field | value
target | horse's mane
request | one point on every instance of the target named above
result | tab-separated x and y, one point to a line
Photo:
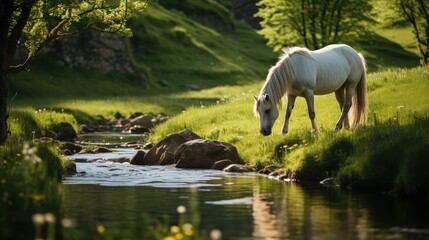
281	76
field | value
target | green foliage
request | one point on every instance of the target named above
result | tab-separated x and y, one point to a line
313	24
30	172
416	12
55	19
29	184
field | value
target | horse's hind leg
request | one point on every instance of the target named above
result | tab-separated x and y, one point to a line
309	97
345	108
290	104
339	94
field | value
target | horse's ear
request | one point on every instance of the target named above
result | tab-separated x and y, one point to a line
255	97
266	98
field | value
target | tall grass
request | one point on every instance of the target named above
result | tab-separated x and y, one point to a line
30	174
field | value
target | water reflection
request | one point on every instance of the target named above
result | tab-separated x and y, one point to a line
241	206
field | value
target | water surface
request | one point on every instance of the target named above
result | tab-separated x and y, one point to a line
121	197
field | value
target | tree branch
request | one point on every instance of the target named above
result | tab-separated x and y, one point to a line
16	32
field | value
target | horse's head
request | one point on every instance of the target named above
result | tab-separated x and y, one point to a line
267	111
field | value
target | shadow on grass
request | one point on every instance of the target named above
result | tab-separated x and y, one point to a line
382	53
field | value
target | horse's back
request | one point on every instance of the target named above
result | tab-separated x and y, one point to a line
336	64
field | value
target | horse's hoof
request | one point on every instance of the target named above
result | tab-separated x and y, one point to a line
336	129
284	132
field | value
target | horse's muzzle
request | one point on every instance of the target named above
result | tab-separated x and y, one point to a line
265	132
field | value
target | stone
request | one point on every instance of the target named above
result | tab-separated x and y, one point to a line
70	147
148	145
163	152
202	153
138	158
95	150
283	177
134	115
70	169
191	86
64	132
269	169
238	168
123	122
163	83
142	120
275	174
221	164
159	119
66	152
85	128
101	51
329	182
137	129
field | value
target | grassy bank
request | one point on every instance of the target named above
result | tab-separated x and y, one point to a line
30	172
396	134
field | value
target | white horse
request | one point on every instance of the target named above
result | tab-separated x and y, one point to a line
300	72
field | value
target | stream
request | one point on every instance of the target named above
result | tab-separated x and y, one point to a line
108	191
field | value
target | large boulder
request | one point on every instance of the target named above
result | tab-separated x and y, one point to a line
163	152
64	132
201	153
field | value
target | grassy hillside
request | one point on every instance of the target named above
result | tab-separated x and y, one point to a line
209	49
168	45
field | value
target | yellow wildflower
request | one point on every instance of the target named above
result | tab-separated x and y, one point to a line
101	229
169	238
174	229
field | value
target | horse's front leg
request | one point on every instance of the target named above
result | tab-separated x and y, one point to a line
290	104
309	97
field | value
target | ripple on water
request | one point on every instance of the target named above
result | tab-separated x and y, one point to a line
125	174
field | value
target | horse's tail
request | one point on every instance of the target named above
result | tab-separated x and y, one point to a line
359	110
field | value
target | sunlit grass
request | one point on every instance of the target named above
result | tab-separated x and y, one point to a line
398	96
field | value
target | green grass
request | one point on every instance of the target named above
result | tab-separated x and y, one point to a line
30	172
397	98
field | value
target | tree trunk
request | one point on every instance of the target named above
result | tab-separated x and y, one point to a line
6	10
9	38
4	93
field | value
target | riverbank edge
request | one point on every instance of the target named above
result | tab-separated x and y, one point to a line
373	167
32	168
